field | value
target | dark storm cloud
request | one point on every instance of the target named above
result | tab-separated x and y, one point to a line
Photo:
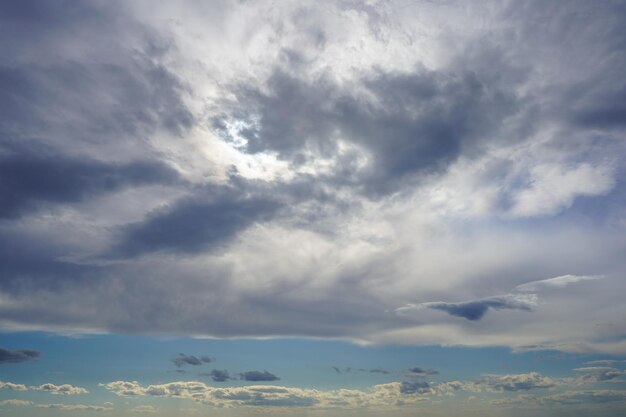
17	356
256	376
33	175
183	359
417	122
476	309
193	224
218	375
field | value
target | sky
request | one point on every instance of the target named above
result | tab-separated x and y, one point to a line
332	208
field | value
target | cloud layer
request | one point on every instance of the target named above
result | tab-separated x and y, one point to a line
253	169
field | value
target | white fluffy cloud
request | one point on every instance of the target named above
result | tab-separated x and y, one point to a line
64	389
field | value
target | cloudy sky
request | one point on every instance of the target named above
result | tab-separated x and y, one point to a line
347	207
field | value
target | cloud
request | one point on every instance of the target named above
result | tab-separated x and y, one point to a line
17	356
218	375
599	374
517	382
383	395
364	164
144	409
604	362
379	371
556	282
32	176
15	403
257	376
421	372
415	388
73	407
567	398
183	359
12	386
475	309
348	370
65	389
194	225
406	123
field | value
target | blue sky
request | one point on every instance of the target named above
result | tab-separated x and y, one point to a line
347	207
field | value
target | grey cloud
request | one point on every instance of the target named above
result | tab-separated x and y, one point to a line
17	356
422	372
183	359
517	382
417	122
195	224
419	387
102	88
256	376
218	375
475	309
599	373
33	175
95	86
349	370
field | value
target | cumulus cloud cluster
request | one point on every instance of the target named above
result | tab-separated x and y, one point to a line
64	389
257	169
386	395
383	395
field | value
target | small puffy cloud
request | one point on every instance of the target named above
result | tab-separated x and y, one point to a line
515	382
257	376
475	309
417	371
124	388
12	386
183	359
17	356
15	403
65	389
556	282
218	375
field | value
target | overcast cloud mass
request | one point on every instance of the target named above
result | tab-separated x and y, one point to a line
381	172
